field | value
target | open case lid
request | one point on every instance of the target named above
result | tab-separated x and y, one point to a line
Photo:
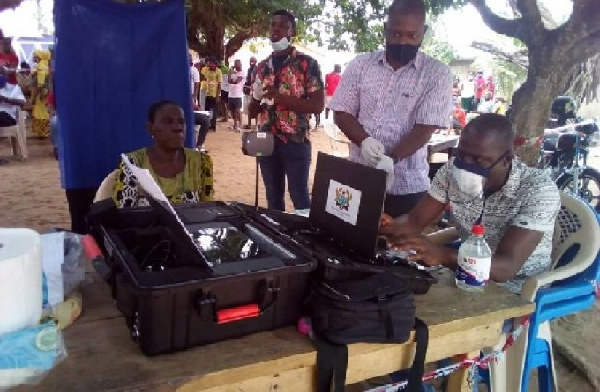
347	201
159	203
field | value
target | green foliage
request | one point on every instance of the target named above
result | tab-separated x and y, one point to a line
435	44
358	24
440	50
340	24
509	76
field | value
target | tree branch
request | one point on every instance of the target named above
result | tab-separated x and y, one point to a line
237	41
508	27
584	48
530	13
583	21
518	58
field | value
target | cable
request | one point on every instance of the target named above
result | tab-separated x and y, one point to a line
148	258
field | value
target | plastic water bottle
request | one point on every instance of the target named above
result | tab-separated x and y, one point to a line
474	262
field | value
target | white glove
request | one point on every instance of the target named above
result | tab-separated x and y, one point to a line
371	151
386	163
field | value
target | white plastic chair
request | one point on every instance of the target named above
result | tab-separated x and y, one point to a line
107	187
338	141
17	133
576	226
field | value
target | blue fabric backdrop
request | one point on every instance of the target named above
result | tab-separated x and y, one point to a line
113	61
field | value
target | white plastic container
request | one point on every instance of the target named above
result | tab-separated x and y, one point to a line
20	279
474	262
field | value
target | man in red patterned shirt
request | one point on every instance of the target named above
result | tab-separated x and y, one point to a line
290	84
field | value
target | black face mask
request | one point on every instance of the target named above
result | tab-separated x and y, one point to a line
402	53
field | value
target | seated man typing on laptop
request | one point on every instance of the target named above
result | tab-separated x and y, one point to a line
486	184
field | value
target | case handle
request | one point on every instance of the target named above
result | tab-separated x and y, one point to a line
94	254
206	305
238	313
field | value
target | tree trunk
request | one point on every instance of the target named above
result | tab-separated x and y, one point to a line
531	108
206	28
215	39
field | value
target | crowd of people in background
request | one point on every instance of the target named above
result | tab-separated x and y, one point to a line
208	76
475	95
34	85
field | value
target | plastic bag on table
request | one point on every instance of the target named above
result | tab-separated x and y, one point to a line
73	268
29	354
73	263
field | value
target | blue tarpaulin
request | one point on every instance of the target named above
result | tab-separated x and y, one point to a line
114	60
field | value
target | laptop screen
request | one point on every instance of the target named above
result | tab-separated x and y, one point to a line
347	201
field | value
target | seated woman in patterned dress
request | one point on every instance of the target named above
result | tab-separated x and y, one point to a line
183	174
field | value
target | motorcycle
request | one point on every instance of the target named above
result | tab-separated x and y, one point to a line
564	154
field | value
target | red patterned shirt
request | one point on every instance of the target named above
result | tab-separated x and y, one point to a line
299	76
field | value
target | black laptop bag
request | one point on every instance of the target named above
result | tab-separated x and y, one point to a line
363	307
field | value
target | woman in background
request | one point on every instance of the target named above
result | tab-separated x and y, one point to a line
39	94
183	174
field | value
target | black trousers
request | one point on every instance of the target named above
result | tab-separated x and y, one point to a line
211	106
204	123
396	205
6	120
79	201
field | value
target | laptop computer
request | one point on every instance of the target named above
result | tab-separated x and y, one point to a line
347	201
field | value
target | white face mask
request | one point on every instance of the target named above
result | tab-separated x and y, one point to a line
469	183
471	177
280	45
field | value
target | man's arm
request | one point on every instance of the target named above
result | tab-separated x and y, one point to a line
13	101
425	213
237	79
427	210
537	215
433	111
350	127
16	98
513	251
219	83
314	103
315	100
195	93
414	140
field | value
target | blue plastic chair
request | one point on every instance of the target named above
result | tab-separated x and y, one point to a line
567	289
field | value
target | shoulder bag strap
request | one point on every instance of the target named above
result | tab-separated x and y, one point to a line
332	362
415	375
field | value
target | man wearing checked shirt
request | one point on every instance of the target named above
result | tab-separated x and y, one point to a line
389	103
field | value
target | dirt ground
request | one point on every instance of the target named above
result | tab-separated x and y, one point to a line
30	196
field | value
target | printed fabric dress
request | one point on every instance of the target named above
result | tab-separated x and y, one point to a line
41	81
192	185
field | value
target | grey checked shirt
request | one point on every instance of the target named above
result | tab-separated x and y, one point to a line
529	200
389	103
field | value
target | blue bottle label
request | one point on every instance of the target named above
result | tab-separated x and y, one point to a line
473	271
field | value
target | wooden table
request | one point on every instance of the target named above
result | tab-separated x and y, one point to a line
102	356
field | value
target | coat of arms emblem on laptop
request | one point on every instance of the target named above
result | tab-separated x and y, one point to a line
343	196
